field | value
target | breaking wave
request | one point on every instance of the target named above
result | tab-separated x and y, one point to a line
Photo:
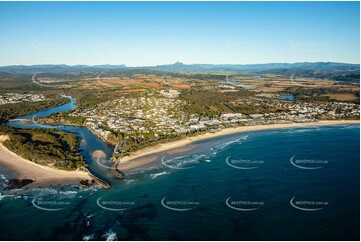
155	175
88	237
184	161
129	181
228	143
110	236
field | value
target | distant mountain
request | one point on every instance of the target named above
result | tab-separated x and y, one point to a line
322	70
180	67
349	75
58	68
320	66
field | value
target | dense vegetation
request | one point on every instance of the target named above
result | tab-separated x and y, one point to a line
345	75
92	98
317	94
62	118
13	110
211	103
199	90
45	146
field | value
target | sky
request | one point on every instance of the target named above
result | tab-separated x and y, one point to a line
156	33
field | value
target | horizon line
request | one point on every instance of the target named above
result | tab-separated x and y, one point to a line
179	62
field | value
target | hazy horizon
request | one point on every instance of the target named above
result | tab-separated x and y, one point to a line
117	64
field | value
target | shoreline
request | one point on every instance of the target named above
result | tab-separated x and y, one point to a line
44	175
41	175
130	162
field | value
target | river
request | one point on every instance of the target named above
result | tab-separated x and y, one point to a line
89	142
288	184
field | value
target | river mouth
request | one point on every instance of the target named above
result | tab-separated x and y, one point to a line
89	142
238	183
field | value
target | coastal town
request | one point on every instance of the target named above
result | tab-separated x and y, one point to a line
180	120
136	111
155	115
8	98
133	113
147	115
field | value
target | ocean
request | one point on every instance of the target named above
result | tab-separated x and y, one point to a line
291	184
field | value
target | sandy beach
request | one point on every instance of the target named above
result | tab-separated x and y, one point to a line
42	175
138	159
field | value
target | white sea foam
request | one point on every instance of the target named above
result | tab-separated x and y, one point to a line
110	236
46	191
352	126
88	237
183	160
129	181
155	175
4	196
53	191
3	182
228	143
2	177
92	188
293	131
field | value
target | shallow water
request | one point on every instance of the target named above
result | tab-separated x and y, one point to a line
89	141
236	187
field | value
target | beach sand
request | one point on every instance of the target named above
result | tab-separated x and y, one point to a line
42	175
147	155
